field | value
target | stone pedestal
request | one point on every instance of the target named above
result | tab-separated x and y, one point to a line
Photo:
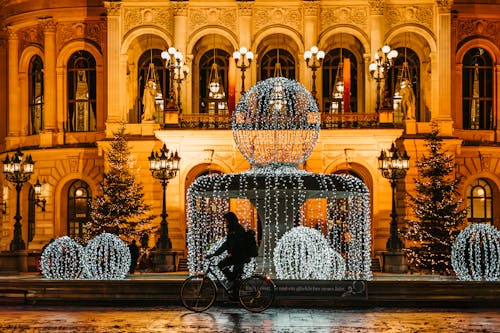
165	261
395	262
386	116
171	118
148	127
410	126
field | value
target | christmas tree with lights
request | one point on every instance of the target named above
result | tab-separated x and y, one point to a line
120	209
437	209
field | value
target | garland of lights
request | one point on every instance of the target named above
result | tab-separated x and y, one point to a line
248	268
276	126
303	253
106	257
62	260
475	255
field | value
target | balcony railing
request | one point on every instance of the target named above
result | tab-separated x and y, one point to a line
224	121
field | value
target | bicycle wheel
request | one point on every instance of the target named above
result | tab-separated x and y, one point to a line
256	293
198	293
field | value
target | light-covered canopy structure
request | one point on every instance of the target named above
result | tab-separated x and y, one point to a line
276	125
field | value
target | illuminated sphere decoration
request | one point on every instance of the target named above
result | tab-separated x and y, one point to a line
303	253
248	268
276	122
62	260
475	255
107	257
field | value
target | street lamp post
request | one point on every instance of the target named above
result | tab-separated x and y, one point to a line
178	71
314	59
383	60
393	165
18	171
246	58
164	166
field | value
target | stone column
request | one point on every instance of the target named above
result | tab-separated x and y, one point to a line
180	42
376	26
50	81
443	113
114	102
311	11
245	10
14	116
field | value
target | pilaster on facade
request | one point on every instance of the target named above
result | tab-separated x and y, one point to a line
50	75
14	119
444	118
113	102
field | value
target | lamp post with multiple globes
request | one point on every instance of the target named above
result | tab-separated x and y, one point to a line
246	58
164	166
383	61
314	59
393	164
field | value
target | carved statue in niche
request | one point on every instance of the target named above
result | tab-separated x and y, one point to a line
148	101
407	100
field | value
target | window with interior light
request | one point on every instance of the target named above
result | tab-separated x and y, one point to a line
81	74
79	198
35	95
480	202
477	90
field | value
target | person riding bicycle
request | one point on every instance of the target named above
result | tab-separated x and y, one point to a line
237	253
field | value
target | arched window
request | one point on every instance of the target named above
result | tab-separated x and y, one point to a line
477	90
31	214
350	82
268	64
36	97
160	74
81	92
398	72
221	58
79	197
480	202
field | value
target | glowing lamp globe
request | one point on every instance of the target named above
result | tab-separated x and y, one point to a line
276	122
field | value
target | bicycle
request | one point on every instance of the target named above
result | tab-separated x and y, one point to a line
198	292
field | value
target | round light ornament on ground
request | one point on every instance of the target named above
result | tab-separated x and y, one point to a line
107	257
303	253
475	255
62	260
276	121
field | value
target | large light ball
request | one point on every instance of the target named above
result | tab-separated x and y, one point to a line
107	257
303	253
276	121
62	260
475	255
248	268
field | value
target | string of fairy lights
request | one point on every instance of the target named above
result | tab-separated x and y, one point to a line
475	255
106	257
276	126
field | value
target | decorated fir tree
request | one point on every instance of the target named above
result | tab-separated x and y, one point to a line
120	208
437	209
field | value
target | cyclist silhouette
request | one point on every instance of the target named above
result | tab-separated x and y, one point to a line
236	250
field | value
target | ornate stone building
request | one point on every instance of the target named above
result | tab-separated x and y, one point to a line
72	70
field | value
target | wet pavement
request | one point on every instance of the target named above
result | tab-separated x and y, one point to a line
59	319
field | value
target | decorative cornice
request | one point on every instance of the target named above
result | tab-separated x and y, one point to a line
355	15
444	5
180	8
421	15
311	8
112	8
376	7
48	24
479	27
245	8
